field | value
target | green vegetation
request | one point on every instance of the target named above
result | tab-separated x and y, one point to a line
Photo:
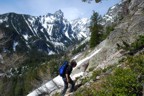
98	33
85	80
134	47
125	80
95	74
79	49
95	29
138	44
91	69
30	74
21	84
96	1
108	30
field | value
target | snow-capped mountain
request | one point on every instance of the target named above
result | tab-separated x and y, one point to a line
51	33
111	15
114	14
80	27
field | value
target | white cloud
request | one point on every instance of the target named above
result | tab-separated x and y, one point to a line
72	13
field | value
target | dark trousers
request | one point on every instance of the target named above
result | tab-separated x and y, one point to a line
66	86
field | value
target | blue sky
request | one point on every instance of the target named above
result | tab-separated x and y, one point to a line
72	8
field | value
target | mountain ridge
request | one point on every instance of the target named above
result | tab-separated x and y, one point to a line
53	30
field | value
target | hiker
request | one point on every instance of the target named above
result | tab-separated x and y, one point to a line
67	79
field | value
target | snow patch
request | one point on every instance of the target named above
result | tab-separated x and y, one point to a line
1	21
58	43
14	45
75	57
28	24
7	25
113	7
5	19
41	30
49	29
51	53
89	57
67	35
15	27
31	20
1	59
25	36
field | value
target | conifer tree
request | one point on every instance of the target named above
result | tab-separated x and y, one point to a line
95	29
97	1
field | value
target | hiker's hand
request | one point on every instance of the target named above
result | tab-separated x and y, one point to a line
68	80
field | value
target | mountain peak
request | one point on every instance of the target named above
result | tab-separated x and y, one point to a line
59	13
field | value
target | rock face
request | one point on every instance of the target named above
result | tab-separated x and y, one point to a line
128	29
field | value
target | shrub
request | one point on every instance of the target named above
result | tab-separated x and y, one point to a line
84	80
136	63
91	69
126	80
95	74
139	43
84	92
80	48
108	30
133	47
123	82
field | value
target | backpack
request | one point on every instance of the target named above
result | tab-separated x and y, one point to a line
62	69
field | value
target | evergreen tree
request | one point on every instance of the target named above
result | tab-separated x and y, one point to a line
95	29
97	1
